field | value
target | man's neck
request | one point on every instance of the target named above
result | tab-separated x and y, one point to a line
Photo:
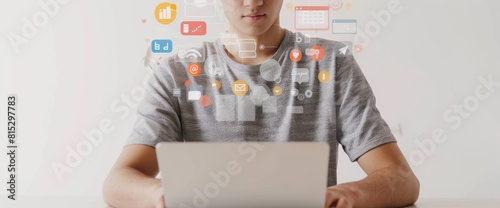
270	41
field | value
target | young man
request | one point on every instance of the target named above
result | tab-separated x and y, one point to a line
318	94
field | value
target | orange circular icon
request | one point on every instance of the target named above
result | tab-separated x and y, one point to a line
295	55
317	53
165	13
277	90
324	76
240	88
187	82
358	48
216	85
194	69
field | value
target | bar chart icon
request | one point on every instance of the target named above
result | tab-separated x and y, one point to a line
165	13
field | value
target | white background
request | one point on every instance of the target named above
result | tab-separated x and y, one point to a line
89	55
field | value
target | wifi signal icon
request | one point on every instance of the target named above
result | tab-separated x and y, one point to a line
190	55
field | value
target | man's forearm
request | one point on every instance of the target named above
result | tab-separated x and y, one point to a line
388	187
128	187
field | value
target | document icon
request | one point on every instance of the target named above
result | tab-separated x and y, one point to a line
199	8
194	92
344	26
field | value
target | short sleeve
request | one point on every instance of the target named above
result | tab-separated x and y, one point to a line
360	127
158	113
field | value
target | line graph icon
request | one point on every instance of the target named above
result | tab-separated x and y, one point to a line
193	28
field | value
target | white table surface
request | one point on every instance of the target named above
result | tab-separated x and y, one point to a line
97	202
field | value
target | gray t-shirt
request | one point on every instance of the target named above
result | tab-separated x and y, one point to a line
304	93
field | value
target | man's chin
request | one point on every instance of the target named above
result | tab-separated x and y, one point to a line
254	31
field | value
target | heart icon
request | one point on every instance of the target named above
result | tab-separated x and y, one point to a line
295	55
143	20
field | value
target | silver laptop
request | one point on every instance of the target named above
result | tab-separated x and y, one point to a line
228	175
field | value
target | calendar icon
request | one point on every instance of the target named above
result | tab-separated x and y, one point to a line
312	18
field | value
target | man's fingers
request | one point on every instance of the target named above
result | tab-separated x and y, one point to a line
343	203
161	203
331	199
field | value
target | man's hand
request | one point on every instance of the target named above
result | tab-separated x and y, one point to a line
340	197
390	182
159	199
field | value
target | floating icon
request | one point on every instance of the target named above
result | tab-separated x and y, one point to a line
317	53
193	28
213	67
187	82
194	69
277	90
259	94
358	48
348	5
177	92
240	88
344	26
270	70
205	101
165	13
161	46
194	92
216	85
336	4
248	48
301	97
270	105
295	55
312	18
200	8
324	76
296	109
190	55
229	39
308	93
343	50
300	75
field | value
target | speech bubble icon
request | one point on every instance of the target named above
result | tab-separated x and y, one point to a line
300	75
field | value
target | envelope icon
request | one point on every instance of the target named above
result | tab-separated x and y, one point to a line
240	87
199	8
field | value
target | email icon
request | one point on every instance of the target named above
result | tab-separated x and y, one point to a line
240	87
199	8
